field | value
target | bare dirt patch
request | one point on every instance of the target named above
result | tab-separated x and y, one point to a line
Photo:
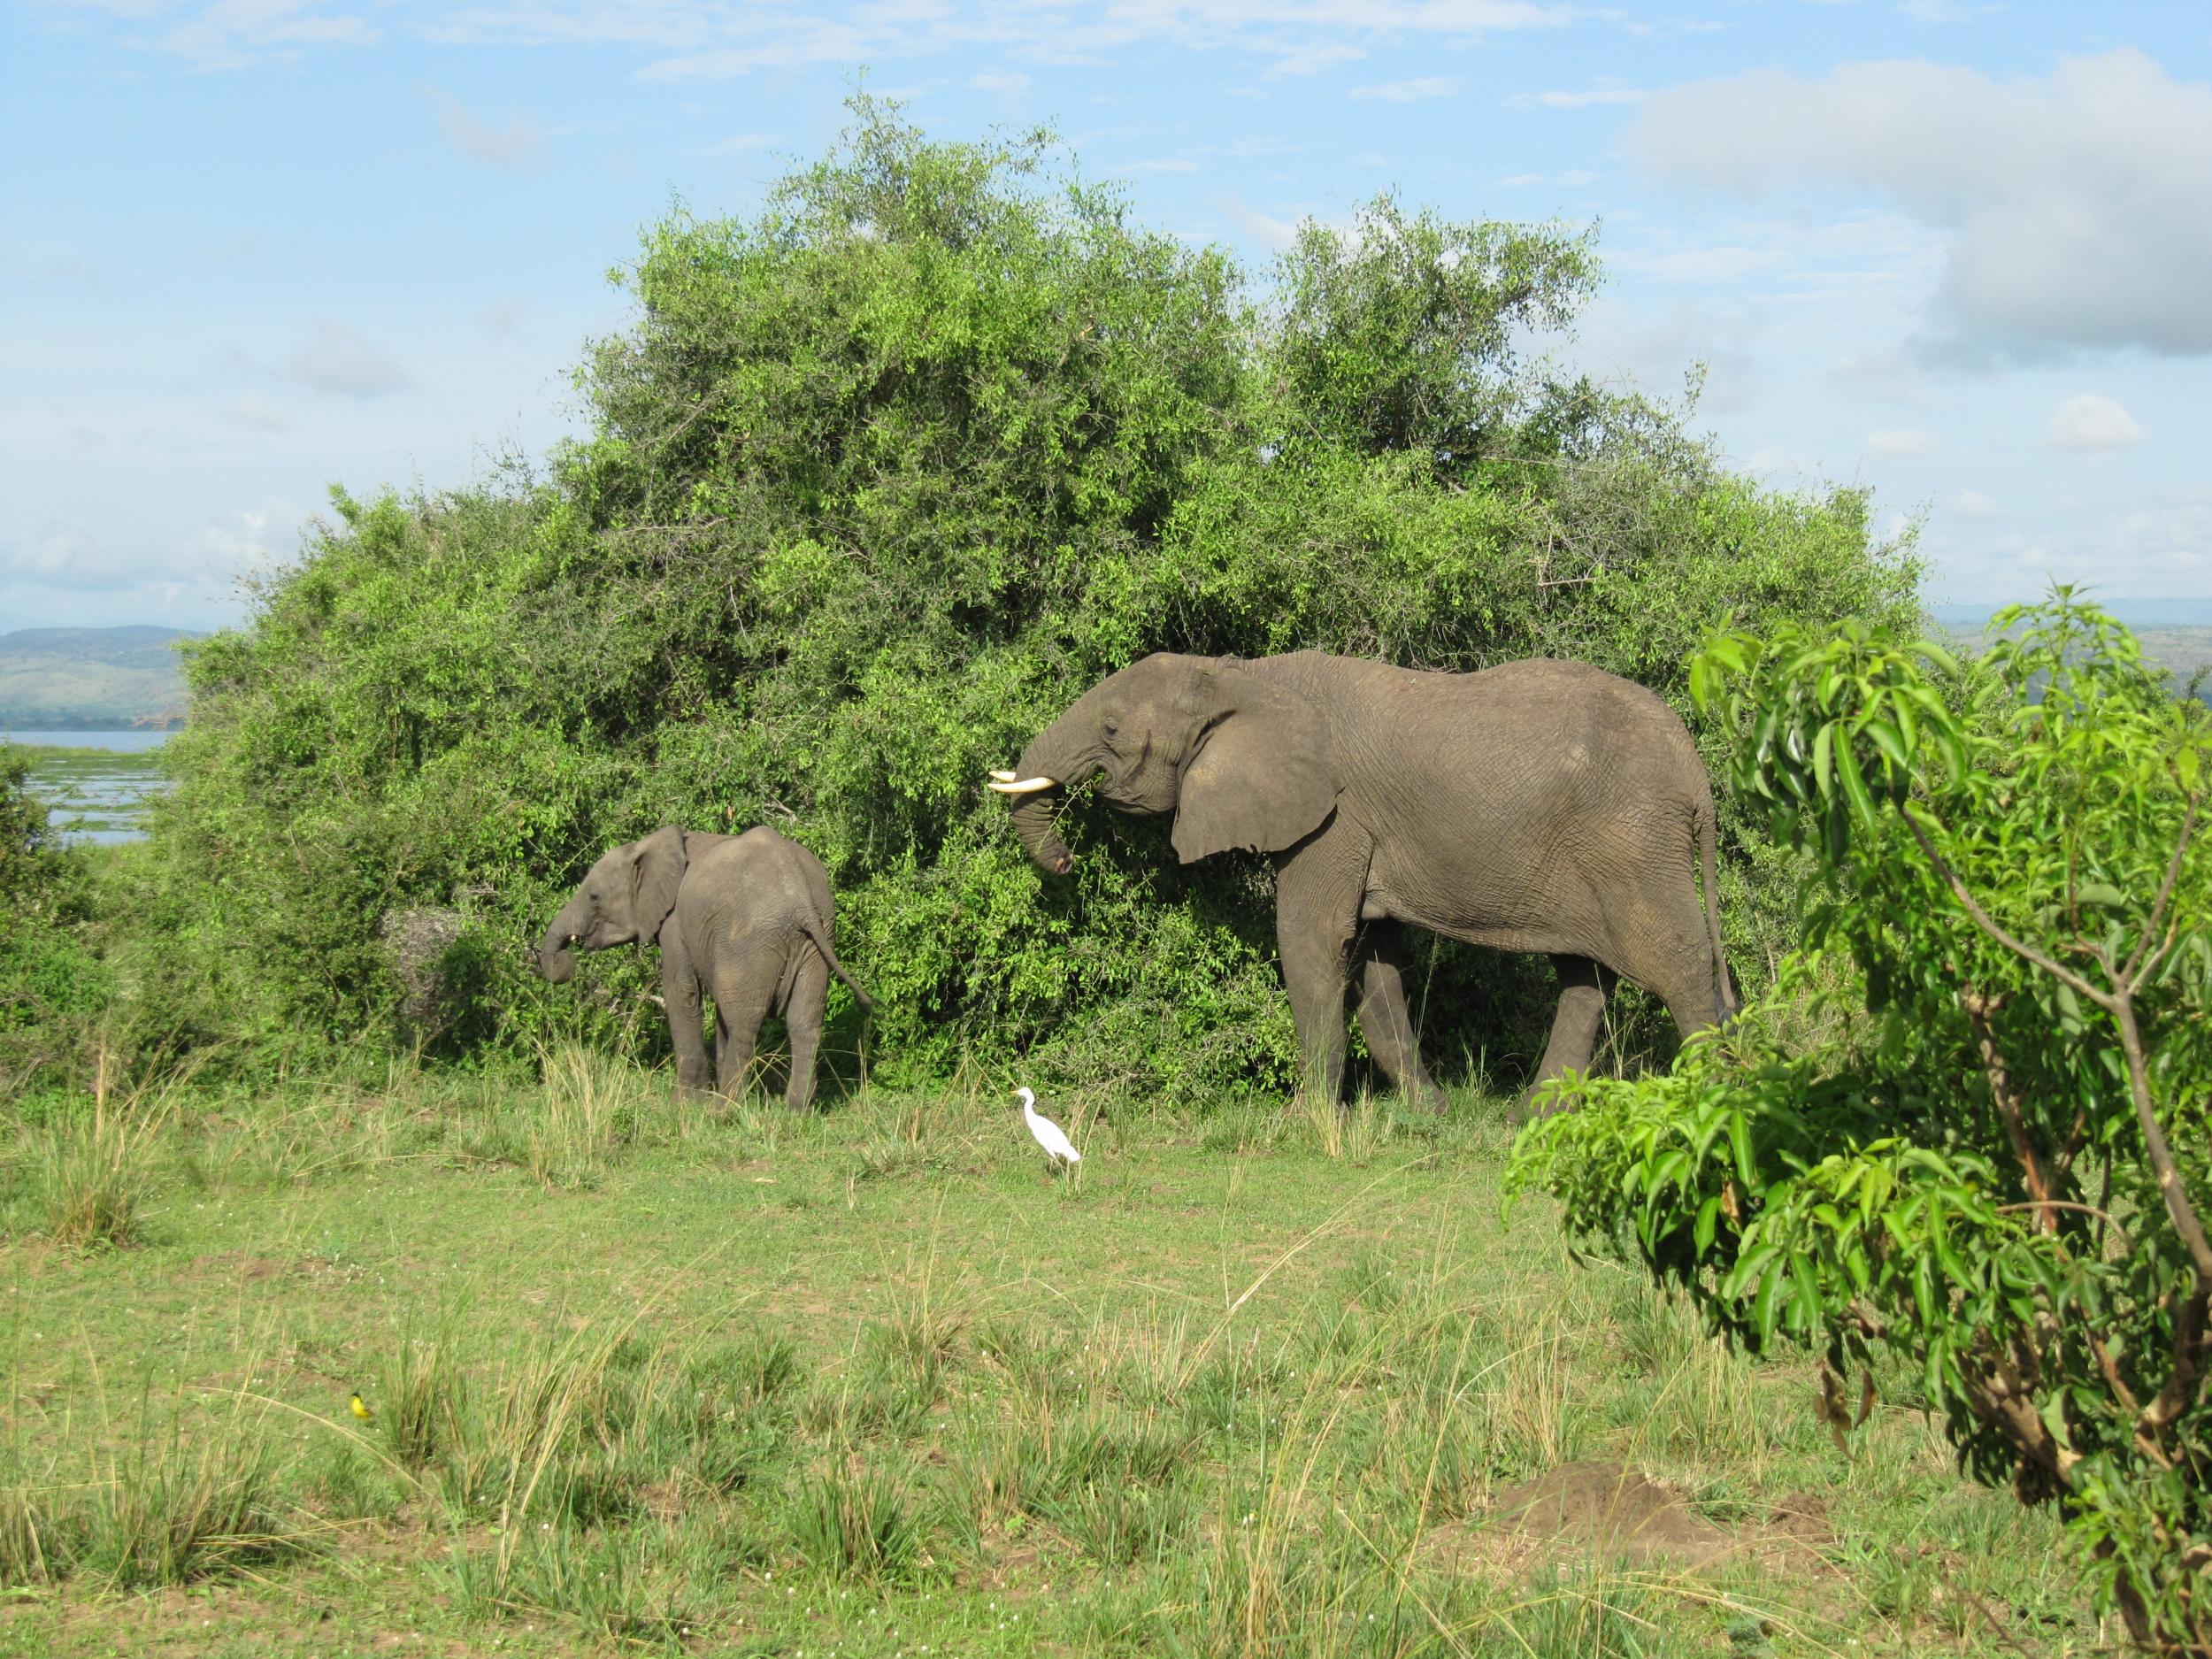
1608	1511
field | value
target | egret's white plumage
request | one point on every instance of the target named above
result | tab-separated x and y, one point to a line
1046	1133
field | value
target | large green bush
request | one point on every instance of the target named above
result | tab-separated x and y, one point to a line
877	480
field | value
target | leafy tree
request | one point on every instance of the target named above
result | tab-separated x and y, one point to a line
1995	1162
880	478
1404	334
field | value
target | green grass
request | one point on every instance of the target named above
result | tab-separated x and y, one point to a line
649	1375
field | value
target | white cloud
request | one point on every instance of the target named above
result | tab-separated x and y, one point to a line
18	265
241	543
1896	443
517	146
232	249
2075	206
1262	227
739	144
1409	91
502	320
1943	11
257	414
706	40
1607	90
1002	81
231	33
1770	460
2092	424
65	558
1651	346
1571	180
1971	503
342	361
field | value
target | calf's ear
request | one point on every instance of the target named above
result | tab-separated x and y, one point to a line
656	870
1260	776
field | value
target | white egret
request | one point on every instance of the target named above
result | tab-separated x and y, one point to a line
1047	1133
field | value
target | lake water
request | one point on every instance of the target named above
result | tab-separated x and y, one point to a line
99	796
136	742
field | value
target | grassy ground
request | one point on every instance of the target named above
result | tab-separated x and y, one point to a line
872	1383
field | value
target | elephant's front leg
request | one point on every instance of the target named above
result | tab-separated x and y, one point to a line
1318	888
1385	1019
680	994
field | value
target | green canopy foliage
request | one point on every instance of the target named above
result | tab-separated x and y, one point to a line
1994	1164
877	480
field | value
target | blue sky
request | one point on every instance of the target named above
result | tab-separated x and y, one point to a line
1956	251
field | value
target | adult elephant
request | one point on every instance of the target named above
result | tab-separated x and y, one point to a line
1538	805
744	919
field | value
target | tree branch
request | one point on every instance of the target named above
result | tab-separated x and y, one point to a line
2178	1208
1979	1009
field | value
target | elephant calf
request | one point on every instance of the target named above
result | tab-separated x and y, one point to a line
744	919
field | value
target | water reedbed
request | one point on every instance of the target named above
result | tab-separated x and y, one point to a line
97	784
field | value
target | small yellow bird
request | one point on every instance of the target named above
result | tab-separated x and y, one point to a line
361	1408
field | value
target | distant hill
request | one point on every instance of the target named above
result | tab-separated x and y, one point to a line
90	679
2145	616
2175	634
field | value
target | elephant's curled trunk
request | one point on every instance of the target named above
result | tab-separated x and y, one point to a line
556	961
1036	811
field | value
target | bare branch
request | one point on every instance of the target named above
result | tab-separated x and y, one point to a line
2178	1208
1979	1009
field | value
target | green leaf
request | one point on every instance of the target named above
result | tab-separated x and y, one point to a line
1886	739
1707	1224
1853	785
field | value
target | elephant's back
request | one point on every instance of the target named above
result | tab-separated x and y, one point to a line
776	874
1535	698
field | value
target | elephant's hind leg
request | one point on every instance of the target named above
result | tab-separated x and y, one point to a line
1386	1021
740	1003
1584	986
802	1020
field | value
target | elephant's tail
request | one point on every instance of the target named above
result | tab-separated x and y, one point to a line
1708	833
819	934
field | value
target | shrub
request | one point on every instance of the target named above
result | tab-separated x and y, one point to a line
1998	1167
53	983
878	480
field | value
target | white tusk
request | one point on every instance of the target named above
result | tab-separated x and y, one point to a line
1004	777
1025	786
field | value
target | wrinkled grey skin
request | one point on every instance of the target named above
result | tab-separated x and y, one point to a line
744	919
1538	805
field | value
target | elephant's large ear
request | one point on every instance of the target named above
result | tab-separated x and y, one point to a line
657	872
1261	778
